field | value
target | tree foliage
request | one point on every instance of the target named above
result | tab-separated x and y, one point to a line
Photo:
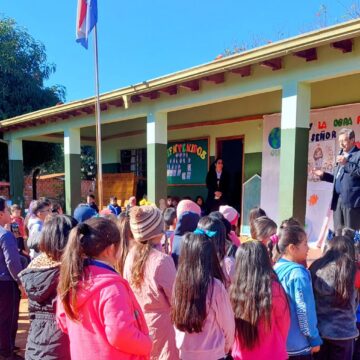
52	159
23	69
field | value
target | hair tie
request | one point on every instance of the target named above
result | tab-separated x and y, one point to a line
330	235
84	229
357	237
207	233
274	239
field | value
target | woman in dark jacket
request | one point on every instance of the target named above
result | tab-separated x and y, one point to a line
40	279
217	183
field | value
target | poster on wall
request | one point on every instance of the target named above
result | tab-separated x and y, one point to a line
187	162
323	147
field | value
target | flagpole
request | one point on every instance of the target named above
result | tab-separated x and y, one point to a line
98	124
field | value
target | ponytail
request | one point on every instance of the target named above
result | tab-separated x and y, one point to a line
289	234
142	252
86	240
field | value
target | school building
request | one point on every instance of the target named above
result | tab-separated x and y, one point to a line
170	128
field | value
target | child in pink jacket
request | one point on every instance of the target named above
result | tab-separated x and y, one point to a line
151	275
260	305
201	311
96	307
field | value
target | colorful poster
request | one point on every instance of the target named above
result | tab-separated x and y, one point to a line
323	147
188	162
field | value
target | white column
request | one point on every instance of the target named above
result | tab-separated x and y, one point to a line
156	135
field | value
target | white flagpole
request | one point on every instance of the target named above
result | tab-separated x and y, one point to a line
98	125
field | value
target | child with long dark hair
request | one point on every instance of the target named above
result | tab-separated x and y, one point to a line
40	279
333	277
303	339
96	307
262	316
201	309
215	229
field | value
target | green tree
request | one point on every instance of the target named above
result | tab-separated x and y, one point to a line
23	70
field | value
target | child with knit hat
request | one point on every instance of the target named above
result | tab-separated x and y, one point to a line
151	275
188	215
232	216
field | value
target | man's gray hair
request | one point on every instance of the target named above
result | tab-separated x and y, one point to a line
350	134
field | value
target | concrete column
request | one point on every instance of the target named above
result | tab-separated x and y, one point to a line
16	172
156	134
72	169
295	115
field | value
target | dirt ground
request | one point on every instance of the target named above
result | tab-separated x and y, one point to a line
23	327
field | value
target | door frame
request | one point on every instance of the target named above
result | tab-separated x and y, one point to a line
218	140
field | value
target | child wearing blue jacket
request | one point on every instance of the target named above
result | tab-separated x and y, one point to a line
303	338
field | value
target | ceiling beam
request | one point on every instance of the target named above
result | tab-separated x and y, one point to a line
308	54
243	71
216	78
170	90
273	64
344	45
193	85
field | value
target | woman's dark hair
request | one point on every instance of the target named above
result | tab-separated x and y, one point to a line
213	165
255	213
217	159
288	235
214	224
54	235
341	250
198	266
86	240
251	292
125	237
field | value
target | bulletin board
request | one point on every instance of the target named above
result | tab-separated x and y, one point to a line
187	162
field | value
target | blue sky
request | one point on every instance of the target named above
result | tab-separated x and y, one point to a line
140	40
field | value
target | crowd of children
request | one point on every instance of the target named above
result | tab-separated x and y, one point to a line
175	283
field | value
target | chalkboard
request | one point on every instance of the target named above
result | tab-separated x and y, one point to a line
251	199
187	162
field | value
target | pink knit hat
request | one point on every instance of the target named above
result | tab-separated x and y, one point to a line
187	205
230	214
